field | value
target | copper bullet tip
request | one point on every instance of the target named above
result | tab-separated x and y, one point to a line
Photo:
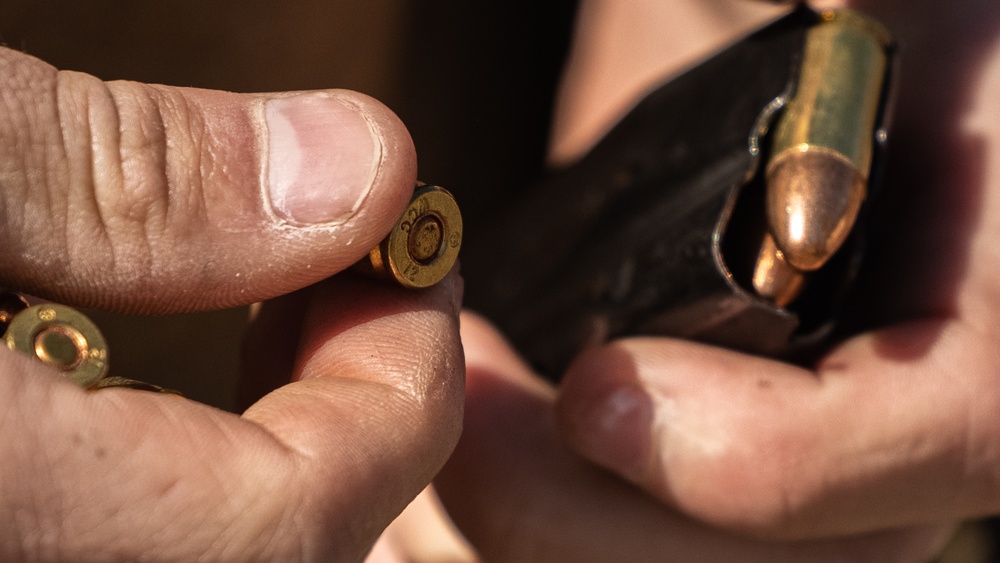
774	279
813	197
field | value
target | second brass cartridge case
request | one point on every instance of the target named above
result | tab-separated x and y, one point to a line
63	338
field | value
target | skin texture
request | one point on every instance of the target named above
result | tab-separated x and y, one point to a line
867	455
117	189
154	199
518	493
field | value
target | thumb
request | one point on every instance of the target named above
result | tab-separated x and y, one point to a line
157	199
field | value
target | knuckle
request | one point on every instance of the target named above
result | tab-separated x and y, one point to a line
156	139
131	157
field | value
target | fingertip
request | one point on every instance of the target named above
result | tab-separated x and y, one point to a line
340	170
358	322
605	414
330	151
375	407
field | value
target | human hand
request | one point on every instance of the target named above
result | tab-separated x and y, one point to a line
154	199
893	430
518	493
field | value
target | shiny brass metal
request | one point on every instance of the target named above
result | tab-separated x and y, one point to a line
774	278
822	148
423	245
64	338
823	142
61	337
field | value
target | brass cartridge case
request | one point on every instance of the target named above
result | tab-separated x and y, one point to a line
61	337
823	142
423	245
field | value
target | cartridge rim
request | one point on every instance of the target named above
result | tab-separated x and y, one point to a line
35	330
414	259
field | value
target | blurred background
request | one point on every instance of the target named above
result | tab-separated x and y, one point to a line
473	81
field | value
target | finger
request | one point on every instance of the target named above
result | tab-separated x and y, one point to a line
313	471
380	371
519	495
152	198
896	428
